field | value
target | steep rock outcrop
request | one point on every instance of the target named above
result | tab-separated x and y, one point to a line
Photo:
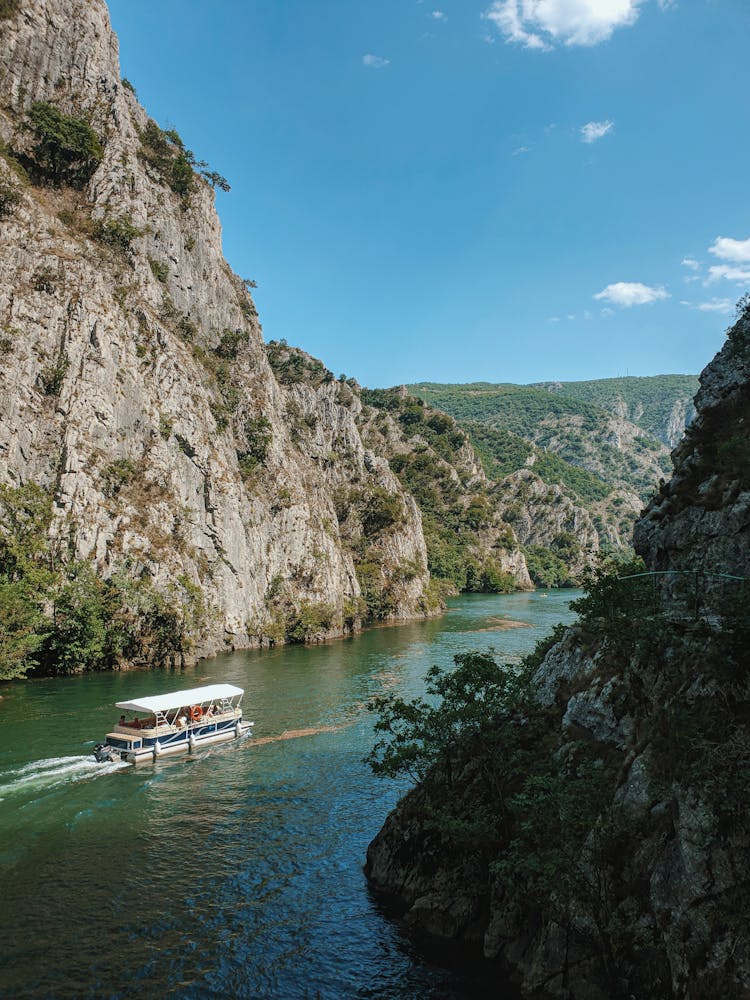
634	877
135	385
134	372
700	519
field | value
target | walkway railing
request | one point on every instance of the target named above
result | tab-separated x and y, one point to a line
687	592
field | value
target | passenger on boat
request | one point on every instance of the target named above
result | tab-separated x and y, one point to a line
122	721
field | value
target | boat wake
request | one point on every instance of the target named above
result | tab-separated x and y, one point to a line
41	775
297	734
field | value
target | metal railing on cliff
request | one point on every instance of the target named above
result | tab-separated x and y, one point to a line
685	593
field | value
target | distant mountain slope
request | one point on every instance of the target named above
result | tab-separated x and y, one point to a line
618	430
602	445
661	404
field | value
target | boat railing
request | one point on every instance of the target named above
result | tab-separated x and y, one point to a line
165	728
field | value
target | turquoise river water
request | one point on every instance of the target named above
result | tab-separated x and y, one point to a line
236	872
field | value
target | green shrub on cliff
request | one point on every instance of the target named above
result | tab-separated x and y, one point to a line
166	153
230	343
477	703
117	233
10	199
52	377
382	510
9	8
57	616
291	365
67	150
258	437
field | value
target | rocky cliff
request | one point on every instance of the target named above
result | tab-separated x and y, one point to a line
469	544
591	834
135	385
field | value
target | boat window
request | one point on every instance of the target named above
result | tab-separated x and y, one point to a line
123	744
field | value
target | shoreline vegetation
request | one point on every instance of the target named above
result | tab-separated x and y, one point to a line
58	616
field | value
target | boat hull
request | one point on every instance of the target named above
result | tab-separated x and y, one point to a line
150	749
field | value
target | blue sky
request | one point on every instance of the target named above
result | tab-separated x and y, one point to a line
461	190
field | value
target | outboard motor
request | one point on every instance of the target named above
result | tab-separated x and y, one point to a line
103	753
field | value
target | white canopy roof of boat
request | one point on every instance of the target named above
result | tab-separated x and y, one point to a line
176	699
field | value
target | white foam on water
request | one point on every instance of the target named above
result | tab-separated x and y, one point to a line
45	774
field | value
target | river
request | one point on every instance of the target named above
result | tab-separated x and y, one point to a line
236	872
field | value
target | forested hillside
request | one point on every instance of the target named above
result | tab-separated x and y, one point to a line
661	404
604	444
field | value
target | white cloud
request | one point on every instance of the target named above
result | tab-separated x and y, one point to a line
592	131
725	306
438	15
606	311
735	263
717	305
631	293
375	62
729	272
542	24
736	251
554	319
521	150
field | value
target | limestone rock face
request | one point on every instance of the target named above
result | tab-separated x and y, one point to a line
540	513
136	386
680	417
701	519
112	388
